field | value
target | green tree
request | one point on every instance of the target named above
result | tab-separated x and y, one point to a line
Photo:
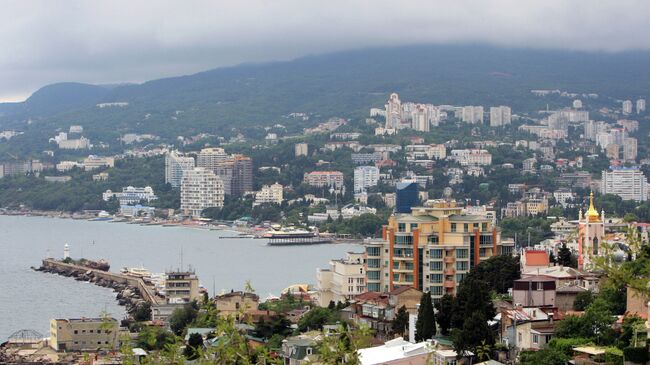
475	332
401	321
194	345
142	312
474	296
498	272
316	318
425	326
547	356
583	300
181	317
564	256
444	309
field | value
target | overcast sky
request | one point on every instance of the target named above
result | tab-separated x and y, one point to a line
113	41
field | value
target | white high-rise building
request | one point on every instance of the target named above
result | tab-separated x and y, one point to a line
200	189
272	194
393	112
342	281
640	106
210	158
365	177
420	118
500	116
627	107
301	149
627	182
175	164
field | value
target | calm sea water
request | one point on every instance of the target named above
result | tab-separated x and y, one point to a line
29	299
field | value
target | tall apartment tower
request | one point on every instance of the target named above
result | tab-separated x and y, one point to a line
210	158
200	189
242	175
175	164
627	107
500	116
301	149
420	118
640	106
431	249
393	112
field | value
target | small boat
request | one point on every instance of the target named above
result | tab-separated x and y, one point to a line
139	272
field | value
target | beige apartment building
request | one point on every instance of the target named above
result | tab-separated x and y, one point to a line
432	249
84	334
344	279
236	303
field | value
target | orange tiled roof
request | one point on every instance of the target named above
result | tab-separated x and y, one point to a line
536	258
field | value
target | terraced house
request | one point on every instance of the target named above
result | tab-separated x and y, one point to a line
431	249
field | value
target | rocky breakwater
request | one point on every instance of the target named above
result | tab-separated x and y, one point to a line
128	289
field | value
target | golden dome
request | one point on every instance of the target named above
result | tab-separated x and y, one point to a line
592	213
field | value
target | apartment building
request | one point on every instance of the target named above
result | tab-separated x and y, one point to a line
365	177
500	116
324	178
200	189
181	286
131	195
344	279
210	158
627	182
236	303
470	157
175	165
301	149
272	194
94	162
84	334
432	248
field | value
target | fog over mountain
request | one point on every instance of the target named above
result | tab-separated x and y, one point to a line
126	41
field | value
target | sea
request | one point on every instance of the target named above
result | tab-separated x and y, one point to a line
222	261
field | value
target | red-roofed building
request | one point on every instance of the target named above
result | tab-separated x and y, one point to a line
534	259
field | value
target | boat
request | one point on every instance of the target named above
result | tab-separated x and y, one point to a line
284	237
139	272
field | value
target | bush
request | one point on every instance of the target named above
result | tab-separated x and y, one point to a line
637	355
566	345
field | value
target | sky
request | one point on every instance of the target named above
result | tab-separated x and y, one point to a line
115	41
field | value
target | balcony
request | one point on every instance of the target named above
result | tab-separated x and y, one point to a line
450	271
449	260
449	284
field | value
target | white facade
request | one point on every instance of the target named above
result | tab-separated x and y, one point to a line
74	144
200	189
472	114
640	106
344	279
420	118
269	194
472	157
627	107
93	162
175	164
393	112
628	183
500	116
630	149
365	177
131	195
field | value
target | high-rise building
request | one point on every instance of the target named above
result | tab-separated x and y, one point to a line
431	249
200	189
365	177
236	173
640	106
406	196
175	164
420	118
627	107
630	149
181	286
210	158
393	112
301	149
472	114
627	182
500	116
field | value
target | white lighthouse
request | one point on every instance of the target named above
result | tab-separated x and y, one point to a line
66	251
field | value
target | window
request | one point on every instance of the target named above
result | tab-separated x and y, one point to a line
465	227
462	253
404	240
520	337
484	226
436	290
535	338
475	226
453	227
435	266
414	226
433	239
373	251
401	227
460	277
75	331
436	278
373	275
309	351
373	263
91	331
435	253
461	265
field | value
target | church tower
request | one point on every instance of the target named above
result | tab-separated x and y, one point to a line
591	231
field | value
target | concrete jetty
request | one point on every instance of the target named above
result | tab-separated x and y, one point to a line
132	291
